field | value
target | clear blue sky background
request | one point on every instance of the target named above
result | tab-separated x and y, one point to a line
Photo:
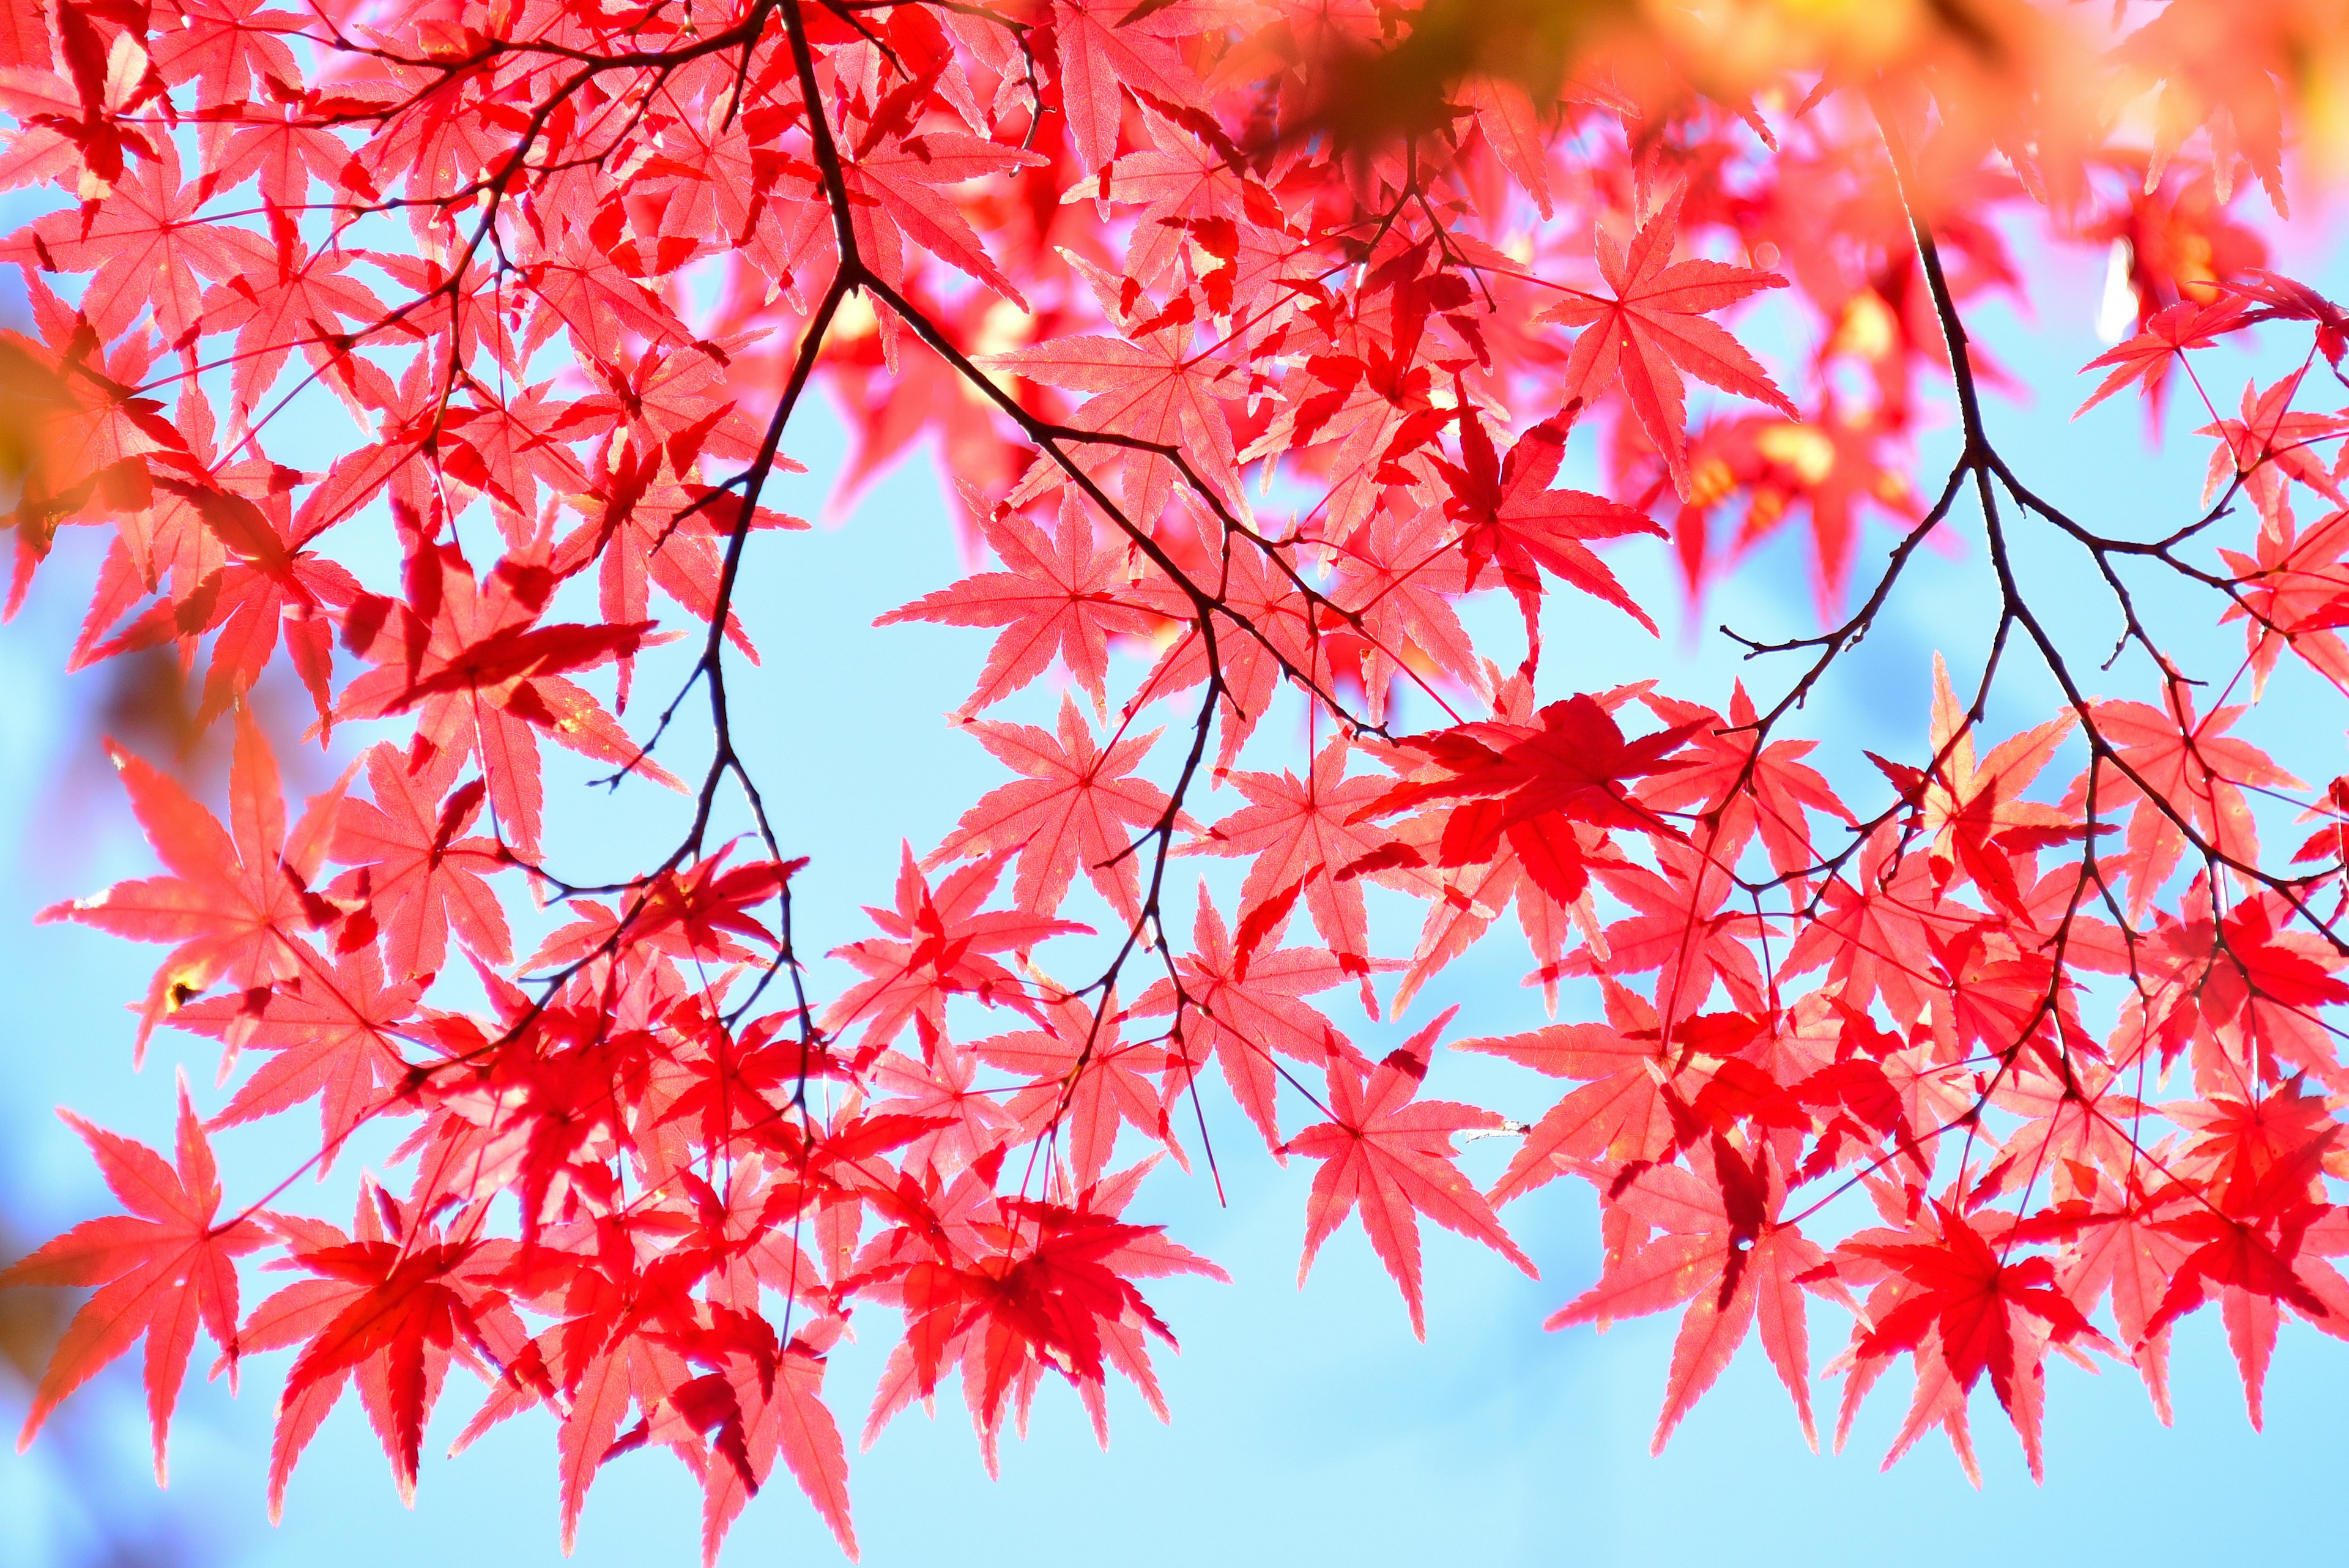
1308	1427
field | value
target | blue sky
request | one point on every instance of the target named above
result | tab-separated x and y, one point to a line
1309	1425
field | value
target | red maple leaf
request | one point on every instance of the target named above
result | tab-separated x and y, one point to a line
777	1412
2160	345
1248	996
933	947
161	1270
1301	834
1016	1287
145	248
1875	931
1152	386
488	678
617	1347
660	529
235	899
1059	597
1722	1250
1741	787
334	1035
1619	1117
1968	1304
1512	521
265	578
1079	805
2195	772
1397	582
894	181
1654	327
1086	1079
393	1309
1104	47
1982	824
1530	783
1391	1156
283	298
420	877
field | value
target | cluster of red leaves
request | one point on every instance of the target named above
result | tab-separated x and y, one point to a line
550	258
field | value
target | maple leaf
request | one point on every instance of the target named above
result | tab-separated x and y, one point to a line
144	248
1104	47
1180	183
1390	1155
488	678
601	1372
581	290
1249	999
1831	464
2269	448
1725	1252
935	946
1974	809
1684	925
1875	931
1621	1114
1262	593
967	1124
2122	1248
2260	987
658	529
623	1342
899	400
291	299
1151	387
393	1309
161	1269
1654	327
2255	1269
282	158
1509	117
265	578
334	1033
1512	520
1059	597
229	62
780	1414
235	899
1397	584
1367	398
1463	902
2193	769
1300	833
1086	1078
2287	300
1028	1286
2159	344
2293	596
25	40
421	877
1957	1293
894	184
1078	806
2214	66
1743	785
2002	996
1528	784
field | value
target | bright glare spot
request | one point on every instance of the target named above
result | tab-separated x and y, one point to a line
1810	455
2116	311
